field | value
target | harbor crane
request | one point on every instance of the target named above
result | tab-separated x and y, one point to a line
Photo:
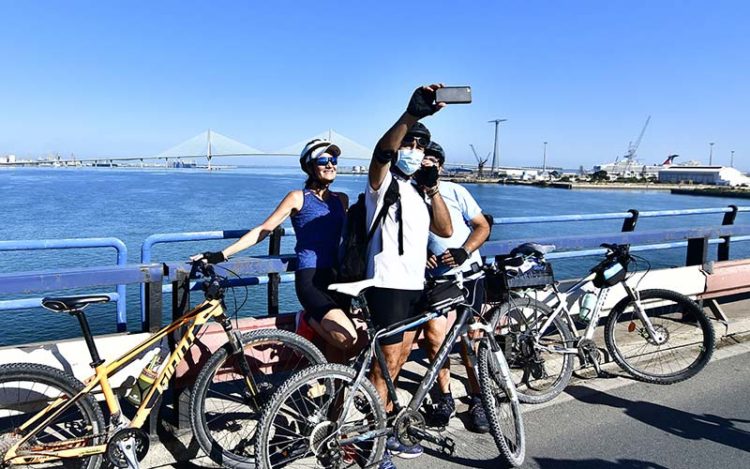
633	147
480	162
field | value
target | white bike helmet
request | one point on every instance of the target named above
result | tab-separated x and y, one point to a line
315	148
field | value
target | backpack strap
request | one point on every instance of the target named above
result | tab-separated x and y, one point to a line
391	197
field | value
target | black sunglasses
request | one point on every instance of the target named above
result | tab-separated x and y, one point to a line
324	160
409	139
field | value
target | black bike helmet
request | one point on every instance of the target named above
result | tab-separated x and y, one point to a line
433	149
419	130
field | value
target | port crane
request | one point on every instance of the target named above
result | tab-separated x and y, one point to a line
633	147
480	162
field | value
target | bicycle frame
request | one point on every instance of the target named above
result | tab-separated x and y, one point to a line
588	333
459	329
194	320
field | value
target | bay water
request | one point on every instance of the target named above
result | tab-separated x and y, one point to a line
131	204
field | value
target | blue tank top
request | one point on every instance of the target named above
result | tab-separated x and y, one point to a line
318	228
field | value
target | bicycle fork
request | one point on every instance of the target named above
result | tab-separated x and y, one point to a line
496	353
235	344
634	295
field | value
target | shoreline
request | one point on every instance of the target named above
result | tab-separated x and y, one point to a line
714	192
569	185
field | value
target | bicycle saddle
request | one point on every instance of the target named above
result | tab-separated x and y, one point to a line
352	289
63	304
532	249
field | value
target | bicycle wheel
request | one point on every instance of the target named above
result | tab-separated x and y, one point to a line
298	428
688	333
25	390
223	413
503	413
538	373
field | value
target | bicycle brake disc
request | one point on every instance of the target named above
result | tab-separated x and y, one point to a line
133	439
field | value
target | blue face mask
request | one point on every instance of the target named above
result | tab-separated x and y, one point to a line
409	160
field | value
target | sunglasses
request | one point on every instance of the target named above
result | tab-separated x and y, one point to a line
421	141
324	160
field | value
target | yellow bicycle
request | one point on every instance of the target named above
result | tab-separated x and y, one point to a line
48	418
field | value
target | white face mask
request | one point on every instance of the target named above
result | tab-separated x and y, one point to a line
409	160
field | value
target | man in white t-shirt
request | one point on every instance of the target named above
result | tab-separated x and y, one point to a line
447	255
397	253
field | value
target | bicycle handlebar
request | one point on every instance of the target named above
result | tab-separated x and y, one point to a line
211	281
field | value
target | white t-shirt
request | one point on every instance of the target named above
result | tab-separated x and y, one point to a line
462	208
384	264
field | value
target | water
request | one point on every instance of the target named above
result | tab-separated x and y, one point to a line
132	204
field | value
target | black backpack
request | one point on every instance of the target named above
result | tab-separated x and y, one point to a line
356	238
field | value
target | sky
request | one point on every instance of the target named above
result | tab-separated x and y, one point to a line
135	78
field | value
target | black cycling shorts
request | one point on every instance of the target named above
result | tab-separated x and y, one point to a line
388	306
313	294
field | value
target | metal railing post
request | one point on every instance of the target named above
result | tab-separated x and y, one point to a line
697	251
180	305
723	249
274	249
152	321
629	223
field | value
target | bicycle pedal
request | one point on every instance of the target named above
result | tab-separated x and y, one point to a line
448	446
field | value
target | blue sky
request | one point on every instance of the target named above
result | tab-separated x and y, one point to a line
135	78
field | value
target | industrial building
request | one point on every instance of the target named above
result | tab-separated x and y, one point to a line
711	175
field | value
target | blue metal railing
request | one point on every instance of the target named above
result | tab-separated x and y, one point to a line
277	268
165	238
613	215
39	244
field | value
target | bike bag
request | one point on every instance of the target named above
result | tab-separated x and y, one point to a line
441	295
517	272
610	274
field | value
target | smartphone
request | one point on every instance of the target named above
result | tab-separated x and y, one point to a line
453	95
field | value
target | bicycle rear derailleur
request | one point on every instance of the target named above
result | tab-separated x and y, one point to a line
409	429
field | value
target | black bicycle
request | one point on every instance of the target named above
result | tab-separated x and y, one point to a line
331	415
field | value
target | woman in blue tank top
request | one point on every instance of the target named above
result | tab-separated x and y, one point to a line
318	216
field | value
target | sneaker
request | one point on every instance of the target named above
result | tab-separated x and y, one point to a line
402	451
444	409
478	419
387	461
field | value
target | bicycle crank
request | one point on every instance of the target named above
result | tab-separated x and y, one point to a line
127	447
409	428
446	444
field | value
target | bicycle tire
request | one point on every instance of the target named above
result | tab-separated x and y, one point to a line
672	313
282	416
526	360
226	434
84	420
503	412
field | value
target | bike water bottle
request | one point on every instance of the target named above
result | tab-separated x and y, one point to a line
145	379
588	302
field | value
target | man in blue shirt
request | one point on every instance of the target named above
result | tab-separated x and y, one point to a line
447	255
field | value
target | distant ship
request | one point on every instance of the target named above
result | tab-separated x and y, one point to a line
630	167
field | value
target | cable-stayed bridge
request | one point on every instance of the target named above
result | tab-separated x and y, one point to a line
209	145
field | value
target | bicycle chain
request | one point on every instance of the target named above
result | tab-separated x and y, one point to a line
45	448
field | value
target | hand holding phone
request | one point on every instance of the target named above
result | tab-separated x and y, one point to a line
453	95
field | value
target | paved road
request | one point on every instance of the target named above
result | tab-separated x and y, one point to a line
704	422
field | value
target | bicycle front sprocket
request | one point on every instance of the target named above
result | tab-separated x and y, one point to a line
125	442
407	426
